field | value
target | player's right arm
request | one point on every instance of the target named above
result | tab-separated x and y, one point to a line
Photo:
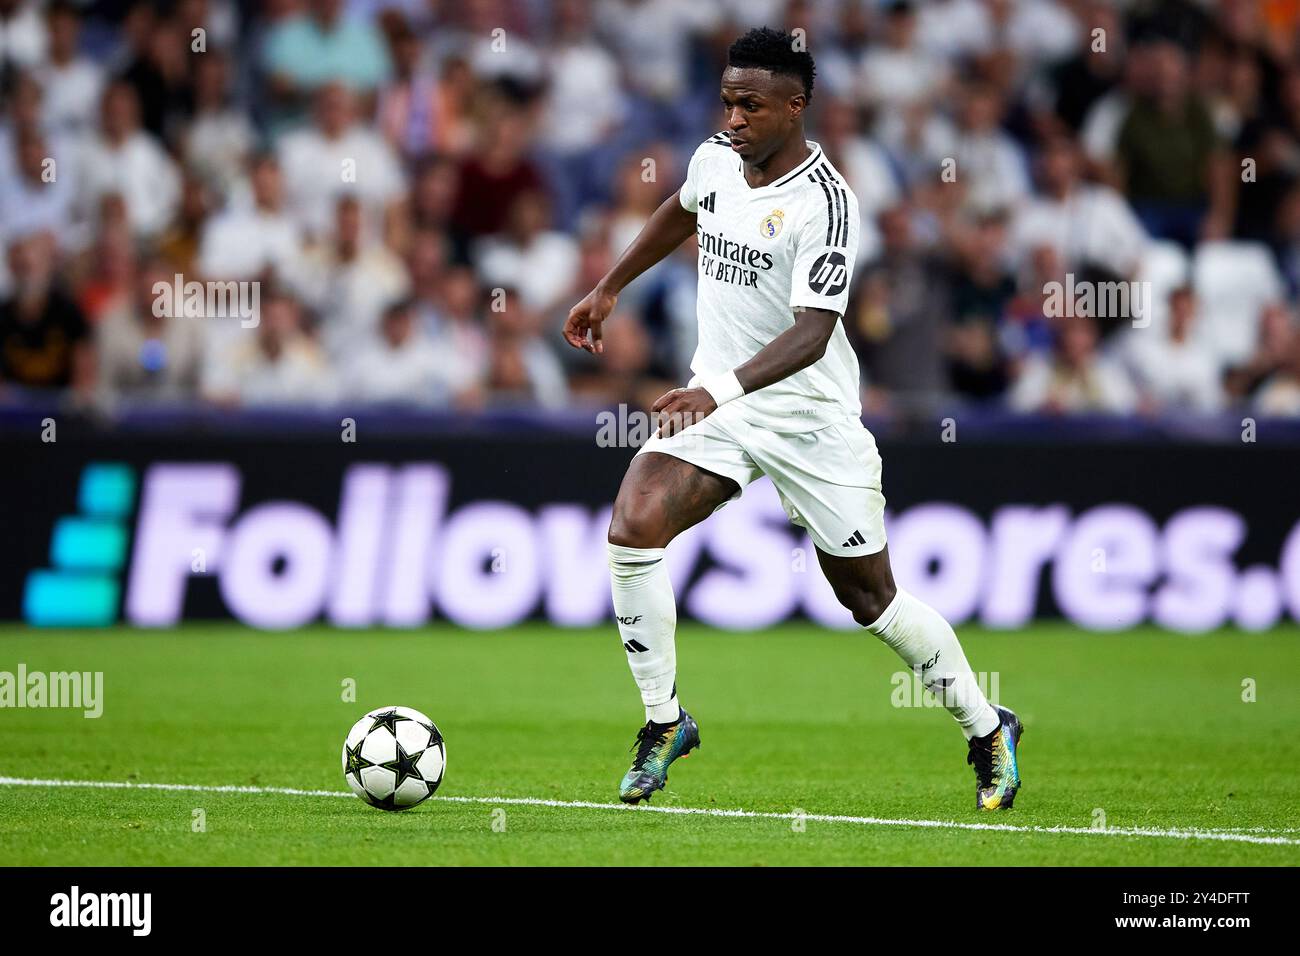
667	229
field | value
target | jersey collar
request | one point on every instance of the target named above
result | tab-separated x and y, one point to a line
789	177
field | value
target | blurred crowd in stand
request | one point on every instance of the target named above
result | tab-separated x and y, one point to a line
1068	206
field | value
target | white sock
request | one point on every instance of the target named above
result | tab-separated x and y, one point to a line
921	637
647	621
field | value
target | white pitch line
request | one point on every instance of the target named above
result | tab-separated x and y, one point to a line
1175	834
1187	833
194	787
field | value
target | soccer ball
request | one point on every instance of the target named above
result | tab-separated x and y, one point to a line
394	758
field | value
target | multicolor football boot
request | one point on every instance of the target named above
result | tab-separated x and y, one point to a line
657	745
997	777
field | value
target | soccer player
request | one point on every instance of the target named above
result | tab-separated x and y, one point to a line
775	392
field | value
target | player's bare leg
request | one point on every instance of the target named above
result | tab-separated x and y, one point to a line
661	496
926	642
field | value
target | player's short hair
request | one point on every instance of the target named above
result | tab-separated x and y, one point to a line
773	50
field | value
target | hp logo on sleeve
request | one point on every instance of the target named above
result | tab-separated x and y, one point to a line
829	274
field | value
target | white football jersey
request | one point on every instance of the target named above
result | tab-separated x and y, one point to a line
765	252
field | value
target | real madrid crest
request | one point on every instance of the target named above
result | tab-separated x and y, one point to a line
770	227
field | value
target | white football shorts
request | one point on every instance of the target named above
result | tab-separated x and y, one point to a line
828	479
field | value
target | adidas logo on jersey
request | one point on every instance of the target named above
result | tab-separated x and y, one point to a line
855	542
710	202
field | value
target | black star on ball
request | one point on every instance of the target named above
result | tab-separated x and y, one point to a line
404	766
384	803
388	719
435	738
356	762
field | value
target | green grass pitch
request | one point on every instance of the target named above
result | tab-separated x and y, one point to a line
1149	729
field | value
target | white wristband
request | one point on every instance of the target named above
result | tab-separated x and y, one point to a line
724	387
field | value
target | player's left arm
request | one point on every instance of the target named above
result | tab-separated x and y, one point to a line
792	351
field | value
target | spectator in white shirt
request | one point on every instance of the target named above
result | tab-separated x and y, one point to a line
634	202
1270	377
33	198
1036	31
1088	225
1175	368
656	38
989	166
524	368
350	280
584	96
951	29
275	364
900	72
1280	394
144	352
540	262
255	233
220	138
72	83
1074	379
454	315
989	162
447	302
24	108
23	35
1274	337
584	106
335	156
126	161
401	365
